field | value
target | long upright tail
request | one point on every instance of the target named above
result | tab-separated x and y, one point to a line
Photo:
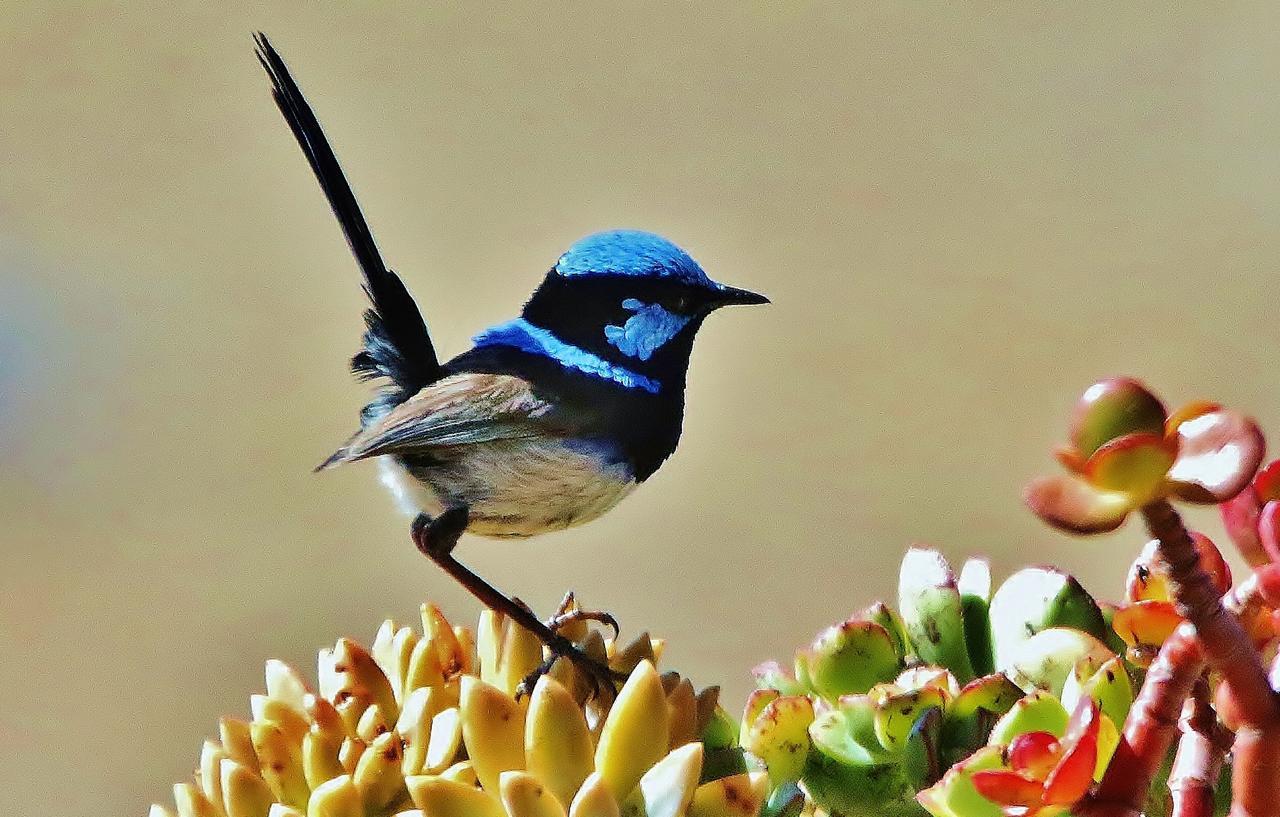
397	345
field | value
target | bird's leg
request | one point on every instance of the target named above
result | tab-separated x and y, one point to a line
436	538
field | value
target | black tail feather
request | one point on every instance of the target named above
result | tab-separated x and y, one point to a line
397	345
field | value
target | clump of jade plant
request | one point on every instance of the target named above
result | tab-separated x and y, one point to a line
1127	454
430	724
877	709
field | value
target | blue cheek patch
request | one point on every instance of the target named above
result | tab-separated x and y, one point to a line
646	331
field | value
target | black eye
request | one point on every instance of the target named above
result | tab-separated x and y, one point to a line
683	303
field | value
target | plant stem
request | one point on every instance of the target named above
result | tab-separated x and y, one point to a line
1150	728
1201	751
1230	651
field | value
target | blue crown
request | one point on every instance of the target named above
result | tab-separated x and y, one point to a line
631	252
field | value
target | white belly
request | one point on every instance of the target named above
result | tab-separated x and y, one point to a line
512	487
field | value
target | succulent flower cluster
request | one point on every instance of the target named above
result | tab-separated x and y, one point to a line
429	725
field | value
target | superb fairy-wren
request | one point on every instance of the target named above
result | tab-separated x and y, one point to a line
550	418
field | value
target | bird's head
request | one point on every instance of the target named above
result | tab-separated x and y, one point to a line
632	299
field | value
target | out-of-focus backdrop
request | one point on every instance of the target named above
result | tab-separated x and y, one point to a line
962	217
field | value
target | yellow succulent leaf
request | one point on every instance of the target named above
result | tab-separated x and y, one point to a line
281	810
1108	742
738	796
320	758
667	789
377	776
191	801
627	658
211	757
520	654
492	730
413	812
281	763
349	753
337	798
236	741
461	772
682	714
658	646
524	796
447	798
467	648
373	722
636	732
558	748
415	727
244	794
779	736
158	810
266	709
445	740
441	634
361	676
424	667
756	702
324	718
284	684
488	645
392	648
594	799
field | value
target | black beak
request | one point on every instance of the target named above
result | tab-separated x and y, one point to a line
732	296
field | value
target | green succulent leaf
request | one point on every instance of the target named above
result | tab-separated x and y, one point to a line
1035	599
970	717
1109	685
975	602
929	600
785	801
955	796
851	658
1045	660
922	754
1037	712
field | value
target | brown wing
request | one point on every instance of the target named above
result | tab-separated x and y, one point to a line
458	410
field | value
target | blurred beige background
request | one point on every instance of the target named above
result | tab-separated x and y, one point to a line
962	216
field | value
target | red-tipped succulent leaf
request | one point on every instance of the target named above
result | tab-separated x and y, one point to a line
1069	503
1252	517
1218	453
1044	771
1071	778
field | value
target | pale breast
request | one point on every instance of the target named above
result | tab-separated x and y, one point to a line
514	488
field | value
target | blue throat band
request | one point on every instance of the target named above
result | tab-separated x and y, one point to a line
520	334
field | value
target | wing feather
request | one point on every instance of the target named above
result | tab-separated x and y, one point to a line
463	409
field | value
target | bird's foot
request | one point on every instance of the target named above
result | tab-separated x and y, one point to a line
569	613
437	536
597	672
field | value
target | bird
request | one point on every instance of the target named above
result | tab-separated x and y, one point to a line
550	418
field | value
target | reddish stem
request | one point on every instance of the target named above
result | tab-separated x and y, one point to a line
1201	752
1150	728
1153	720
1230	651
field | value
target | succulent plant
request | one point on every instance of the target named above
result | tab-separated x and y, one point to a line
1126	452
430	725
878	707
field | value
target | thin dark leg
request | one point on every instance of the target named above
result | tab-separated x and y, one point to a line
436	538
